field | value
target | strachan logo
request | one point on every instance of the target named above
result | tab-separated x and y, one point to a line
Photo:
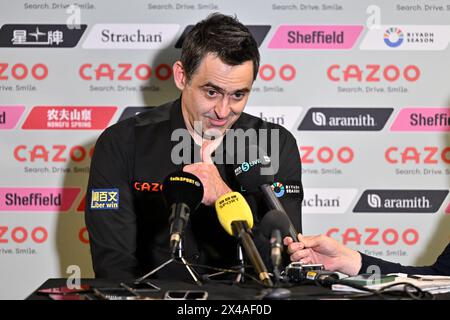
401	201
131	36
40	35
345	119
327	200
284	116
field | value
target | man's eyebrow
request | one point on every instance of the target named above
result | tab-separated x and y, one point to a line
212	85
221	90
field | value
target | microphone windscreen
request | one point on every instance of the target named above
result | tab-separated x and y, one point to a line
233	207
249	172
183	187
274	219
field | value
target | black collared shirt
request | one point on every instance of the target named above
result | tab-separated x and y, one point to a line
127	218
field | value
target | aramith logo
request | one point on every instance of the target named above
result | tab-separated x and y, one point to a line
401	201
345	119
40	35
131	36
258	32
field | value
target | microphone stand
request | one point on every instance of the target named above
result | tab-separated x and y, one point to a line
176	257
240	276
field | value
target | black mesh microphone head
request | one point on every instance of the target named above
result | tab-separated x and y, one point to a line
274	219
183	187
255	170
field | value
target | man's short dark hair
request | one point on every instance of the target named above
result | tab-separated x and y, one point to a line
223	36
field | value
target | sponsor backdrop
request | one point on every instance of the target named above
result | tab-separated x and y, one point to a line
362	85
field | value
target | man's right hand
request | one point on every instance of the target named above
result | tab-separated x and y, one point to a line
324	250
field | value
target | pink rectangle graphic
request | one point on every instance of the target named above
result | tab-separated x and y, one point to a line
422	119
52	200
9	116
327	37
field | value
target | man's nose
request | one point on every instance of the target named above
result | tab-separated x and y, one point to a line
222	108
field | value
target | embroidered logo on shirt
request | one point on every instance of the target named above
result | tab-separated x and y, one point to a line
286	190
104	199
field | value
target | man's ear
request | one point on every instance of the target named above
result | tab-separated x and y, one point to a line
179	76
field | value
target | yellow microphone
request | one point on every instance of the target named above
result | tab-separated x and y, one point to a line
233	207
236	218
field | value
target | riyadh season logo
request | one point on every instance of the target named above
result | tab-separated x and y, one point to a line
278	188
393	37
407	37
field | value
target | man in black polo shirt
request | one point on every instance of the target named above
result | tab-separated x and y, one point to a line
126	216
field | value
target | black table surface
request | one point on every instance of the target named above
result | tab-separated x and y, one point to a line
216	290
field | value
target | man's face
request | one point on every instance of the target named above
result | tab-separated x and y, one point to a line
216	95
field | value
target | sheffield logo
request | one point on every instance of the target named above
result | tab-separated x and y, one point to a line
345	119
422	119
303	37
53	200
104	199
9	116
258	32
407	37
131	36
401	201
40	35
69	118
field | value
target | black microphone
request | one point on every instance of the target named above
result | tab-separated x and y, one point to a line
248	174
274	225
183	193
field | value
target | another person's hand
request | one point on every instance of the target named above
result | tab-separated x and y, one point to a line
206	171
324	250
